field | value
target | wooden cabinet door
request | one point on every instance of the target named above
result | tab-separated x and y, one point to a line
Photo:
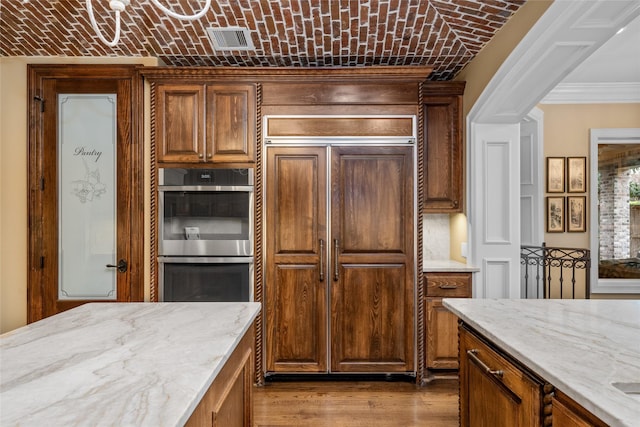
567	413
229	400
442	336
231	124
372	292
493	391
443	168
179	122
296	269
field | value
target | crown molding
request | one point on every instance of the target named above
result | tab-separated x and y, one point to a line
593	93
564	36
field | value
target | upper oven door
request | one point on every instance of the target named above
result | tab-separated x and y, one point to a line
212	220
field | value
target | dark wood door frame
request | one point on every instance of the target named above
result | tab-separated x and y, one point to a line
122	75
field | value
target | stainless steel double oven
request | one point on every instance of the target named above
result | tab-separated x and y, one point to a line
206	234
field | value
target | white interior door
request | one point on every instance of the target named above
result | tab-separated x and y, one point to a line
531	180
494	190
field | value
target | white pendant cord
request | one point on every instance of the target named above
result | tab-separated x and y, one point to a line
118	6
173	14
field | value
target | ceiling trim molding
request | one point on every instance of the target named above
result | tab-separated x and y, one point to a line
567	34
594	93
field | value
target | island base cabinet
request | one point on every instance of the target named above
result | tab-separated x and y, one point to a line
228	401
567	413
494	392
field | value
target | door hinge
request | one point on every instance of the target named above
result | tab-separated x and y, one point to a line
42	183
41	262
41	100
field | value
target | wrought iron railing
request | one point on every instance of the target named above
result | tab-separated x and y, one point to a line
549	272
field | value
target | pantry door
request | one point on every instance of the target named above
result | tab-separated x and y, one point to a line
372	261
84	189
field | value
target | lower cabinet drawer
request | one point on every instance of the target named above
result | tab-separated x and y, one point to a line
448	285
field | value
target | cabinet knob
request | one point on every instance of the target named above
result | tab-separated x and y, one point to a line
200	155
209	156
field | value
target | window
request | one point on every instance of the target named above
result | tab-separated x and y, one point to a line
615	208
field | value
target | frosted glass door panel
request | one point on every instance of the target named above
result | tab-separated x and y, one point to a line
87	196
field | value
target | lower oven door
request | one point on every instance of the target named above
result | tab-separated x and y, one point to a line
210	279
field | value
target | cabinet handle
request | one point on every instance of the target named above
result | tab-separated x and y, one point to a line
448	286
322	260
473	355
336	248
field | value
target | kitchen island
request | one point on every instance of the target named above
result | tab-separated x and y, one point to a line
585	350
127	364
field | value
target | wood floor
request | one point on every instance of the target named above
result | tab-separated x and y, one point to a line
356	404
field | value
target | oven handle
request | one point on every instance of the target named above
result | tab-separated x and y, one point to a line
206	188
204	260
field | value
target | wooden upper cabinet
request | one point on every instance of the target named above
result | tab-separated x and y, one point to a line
231	123
180	118
204	123
443	150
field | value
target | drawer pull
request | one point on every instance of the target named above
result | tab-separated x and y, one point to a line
473	355
448	287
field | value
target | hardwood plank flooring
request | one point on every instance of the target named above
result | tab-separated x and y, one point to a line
356	404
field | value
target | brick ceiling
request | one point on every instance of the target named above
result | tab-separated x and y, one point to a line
443	34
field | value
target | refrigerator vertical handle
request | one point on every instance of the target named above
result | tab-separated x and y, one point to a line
322	260
336	248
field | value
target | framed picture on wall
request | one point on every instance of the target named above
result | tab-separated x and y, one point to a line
577	213
576	174
555	214
555	174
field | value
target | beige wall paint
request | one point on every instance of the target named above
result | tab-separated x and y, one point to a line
566	134
458	235
13	179
478	73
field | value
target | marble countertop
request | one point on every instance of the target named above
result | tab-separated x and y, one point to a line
447	266
582	347
117	364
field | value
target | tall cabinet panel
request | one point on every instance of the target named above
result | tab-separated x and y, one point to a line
364	259
296	291
443	149
372	238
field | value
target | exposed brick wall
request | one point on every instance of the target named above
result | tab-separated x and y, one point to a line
443	34
614	213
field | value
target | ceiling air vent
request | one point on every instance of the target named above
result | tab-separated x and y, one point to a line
230	38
